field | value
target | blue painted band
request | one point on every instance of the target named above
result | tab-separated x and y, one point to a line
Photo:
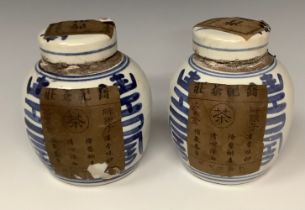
230	50
35	137
173	122
232	75
39	146
79	53
32	127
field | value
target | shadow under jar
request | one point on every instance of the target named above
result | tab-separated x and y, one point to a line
231	102
86	104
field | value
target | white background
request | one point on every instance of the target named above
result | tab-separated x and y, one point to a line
157	34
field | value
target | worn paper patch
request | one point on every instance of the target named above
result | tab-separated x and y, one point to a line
82	130
65	28
81	69
226	127
236	25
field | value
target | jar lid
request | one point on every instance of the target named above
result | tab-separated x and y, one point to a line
79	41
231	38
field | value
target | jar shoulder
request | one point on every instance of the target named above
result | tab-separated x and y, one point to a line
190	71
127	68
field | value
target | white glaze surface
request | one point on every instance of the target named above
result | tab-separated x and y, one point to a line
220	45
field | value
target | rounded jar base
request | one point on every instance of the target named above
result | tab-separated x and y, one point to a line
224	180
95	182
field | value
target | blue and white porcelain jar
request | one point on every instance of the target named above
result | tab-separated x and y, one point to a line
231	102
86	104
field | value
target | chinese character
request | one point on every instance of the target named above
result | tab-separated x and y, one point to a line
222	115
103	91
233	22
198	88
49	94
230	152
75	120
216	91
85	94
67	96
249	143
233	90
231	145
195	117
88	141
108	145
213	136
250	136
252	90
212	151
231	136
196	139
248	151
197	131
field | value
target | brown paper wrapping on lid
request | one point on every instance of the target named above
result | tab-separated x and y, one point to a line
243	27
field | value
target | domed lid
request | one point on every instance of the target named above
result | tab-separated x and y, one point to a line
230	38
79	41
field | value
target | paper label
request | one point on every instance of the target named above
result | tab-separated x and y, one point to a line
80	27
226	127
81	128
240	26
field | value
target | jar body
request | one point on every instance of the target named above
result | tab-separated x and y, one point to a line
278	117
135	103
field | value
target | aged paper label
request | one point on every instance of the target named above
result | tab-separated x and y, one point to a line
226	127
82	128
80	27
240	26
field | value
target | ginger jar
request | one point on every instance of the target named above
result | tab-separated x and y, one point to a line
231	102
86	104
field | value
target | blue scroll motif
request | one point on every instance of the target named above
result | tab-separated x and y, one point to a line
34	130
132	117
276	116
178	121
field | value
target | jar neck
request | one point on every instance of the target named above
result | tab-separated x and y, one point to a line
78	41
248	65
64	69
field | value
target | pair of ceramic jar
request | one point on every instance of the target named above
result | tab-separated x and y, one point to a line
87	105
